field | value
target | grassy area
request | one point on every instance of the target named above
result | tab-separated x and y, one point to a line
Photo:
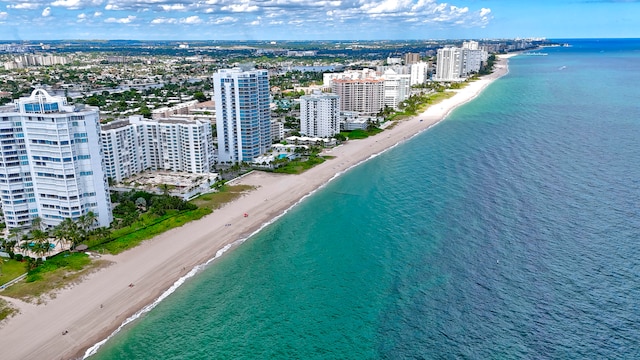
224	195
147	227
298	166
56	273
11	269
360	134
6	310
63	269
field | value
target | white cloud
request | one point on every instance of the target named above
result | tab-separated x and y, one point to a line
173	7
240	8
225	20
112	7
24	6
365	17
164	21
76	4
191	20
126	20
3	15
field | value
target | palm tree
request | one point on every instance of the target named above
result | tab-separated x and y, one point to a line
69	231
86	223
12	241
58	235
103	233
36	223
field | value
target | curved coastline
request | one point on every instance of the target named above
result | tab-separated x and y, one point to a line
161	265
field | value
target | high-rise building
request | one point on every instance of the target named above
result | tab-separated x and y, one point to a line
138	144
320	115
419	73
243	117
327	78
362	95
472	60
449	64
453	64
396	88
470	45
411	58
51	163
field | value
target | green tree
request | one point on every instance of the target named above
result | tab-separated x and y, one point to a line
200	96
86	223
69	231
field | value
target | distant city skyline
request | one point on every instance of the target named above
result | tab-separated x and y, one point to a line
315	19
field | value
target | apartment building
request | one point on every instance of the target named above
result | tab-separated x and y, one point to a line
419	73
396	88
51	163
243	116
320	115
137	144
362	95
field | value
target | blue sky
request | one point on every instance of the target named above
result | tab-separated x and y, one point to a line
316	19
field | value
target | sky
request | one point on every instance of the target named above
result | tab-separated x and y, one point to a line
316	19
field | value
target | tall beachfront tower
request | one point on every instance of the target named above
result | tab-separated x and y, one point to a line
320	115
449	64
362	95
51	162
243	117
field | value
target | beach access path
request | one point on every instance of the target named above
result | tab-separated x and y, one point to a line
92	309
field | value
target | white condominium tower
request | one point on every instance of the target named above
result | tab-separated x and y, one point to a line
243	117
419	73
138	144
51	162
449	64
455	63
320	115
396	88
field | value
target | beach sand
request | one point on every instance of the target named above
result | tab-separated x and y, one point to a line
93	309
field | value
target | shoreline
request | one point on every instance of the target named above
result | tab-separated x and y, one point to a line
93	309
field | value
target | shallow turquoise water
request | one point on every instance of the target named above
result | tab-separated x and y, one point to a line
510	230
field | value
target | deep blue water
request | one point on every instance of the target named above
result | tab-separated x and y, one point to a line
509	231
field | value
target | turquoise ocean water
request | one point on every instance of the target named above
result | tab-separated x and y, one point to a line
509	231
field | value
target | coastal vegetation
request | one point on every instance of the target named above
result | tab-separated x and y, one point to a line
6	310
144	228
163	213
360	134
299	166
225	194
54	274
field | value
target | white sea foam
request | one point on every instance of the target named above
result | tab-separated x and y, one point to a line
94	349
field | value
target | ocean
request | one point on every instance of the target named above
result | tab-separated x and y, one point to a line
511	230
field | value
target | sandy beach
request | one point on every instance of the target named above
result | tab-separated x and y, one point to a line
94	308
